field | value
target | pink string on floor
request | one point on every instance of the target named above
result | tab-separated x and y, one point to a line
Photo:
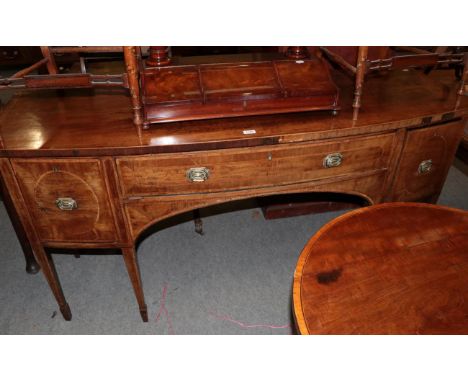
247	326
163	309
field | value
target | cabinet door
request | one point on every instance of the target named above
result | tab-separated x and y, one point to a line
426	158
67	199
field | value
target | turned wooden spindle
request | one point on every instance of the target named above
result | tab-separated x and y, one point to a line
297	52
131	66
158	56
360	73
463	85
51	65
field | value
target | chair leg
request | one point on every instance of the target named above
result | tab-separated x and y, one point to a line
129	255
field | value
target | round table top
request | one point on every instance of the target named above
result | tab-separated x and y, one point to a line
395	268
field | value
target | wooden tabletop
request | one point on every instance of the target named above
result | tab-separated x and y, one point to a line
395	268
83	122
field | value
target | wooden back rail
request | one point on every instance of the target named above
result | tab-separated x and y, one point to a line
418	58
55	80
159	56
386	61
402	62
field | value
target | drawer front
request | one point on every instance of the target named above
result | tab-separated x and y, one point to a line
67	199
144	212
425	161
236	169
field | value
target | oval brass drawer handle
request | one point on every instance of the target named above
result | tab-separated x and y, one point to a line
425	166
66	204
333	160
198	174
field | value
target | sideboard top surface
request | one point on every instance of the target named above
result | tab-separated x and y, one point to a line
82	123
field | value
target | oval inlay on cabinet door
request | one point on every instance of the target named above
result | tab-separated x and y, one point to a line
416	179
61	184
67	199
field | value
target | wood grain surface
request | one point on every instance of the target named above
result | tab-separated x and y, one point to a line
42	182
236	169
175	93
394	268
84	123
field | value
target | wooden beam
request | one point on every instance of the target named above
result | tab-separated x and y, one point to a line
336	58
31	68
51	66
86	49
412	49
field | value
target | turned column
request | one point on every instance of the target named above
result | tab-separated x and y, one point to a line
51	65
297	52
463	91
158	56
360	73
133	76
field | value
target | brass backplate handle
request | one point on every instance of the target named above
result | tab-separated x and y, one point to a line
198	174
66	204
425	166
333	160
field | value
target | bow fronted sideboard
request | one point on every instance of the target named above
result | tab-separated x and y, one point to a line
78	173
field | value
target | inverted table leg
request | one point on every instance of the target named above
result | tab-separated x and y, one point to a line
129	255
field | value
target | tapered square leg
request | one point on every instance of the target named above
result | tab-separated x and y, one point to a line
48	268
144	314
44	260
129	255
66	312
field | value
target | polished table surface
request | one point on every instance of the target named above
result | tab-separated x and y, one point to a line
395	268
83	123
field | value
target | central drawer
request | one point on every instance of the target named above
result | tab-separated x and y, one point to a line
236	169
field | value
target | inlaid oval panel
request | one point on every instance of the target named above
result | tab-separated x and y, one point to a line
67	199
423	165
52	187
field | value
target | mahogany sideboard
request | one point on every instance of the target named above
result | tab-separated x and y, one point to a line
78	173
